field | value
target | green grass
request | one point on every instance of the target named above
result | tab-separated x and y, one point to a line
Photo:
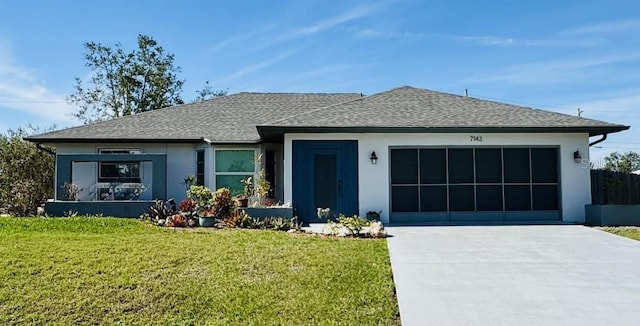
107	270
625	231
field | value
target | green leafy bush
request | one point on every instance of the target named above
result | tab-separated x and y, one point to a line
353	225
26	174
158	211
202	196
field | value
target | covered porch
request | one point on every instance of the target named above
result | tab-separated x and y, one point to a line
110	184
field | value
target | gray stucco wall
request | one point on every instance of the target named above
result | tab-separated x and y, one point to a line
106	208
612	215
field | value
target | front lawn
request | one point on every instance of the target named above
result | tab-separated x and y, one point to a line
107	270
625	231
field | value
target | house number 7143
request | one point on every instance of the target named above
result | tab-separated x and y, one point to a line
475	138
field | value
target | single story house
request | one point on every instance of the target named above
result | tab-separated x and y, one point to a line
415	155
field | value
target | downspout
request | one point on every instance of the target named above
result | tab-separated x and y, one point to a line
604	137
46	150
55	167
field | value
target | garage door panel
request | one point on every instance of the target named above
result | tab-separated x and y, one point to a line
404	166
404	199
420	218
461	198
545	197
481	184
544	165
433	166
517	198
433	198
461	165
489	198
476	216
488	165
516	165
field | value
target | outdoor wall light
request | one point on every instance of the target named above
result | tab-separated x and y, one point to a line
577	157
374	158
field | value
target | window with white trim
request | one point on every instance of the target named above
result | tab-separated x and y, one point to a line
232	166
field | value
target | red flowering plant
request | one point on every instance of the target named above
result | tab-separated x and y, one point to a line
223	203
187	206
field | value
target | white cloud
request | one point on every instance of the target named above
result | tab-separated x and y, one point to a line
606	27
622	107
20	90
239	39
565	70
619	108
353	14
502	41
258	66
488	40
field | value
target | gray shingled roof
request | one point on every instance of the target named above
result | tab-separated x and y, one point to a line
234	118
230	119
409	107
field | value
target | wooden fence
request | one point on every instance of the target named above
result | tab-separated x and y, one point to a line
608	187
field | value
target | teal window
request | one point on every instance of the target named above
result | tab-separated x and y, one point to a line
232	166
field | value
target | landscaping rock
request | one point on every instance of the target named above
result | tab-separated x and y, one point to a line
376	230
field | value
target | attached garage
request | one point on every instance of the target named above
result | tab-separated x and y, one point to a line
425	157
488	184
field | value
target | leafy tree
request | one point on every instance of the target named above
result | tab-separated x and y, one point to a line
625	163
26	173
208	93
124	83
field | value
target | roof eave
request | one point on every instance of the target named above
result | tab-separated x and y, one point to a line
139	140
275	132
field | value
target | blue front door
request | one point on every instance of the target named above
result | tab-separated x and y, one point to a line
325	175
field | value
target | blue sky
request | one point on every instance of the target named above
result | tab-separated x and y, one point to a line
552	55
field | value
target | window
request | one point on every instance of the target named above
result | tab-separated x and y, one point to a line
232	166
125	172
270	168
200	167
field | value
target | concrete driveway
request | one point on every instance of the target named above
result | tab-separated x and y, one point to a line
515	275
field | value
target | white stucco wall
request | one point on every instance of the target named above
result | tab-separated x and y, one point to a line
373	180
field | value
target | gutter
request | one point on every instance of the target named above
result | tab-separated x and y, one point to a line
604	137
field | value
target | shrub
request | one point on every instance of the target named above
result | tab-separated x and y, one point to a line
187	206
223	203
239	219
177	220
26	173
158	211
353	224
280	223
202	197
